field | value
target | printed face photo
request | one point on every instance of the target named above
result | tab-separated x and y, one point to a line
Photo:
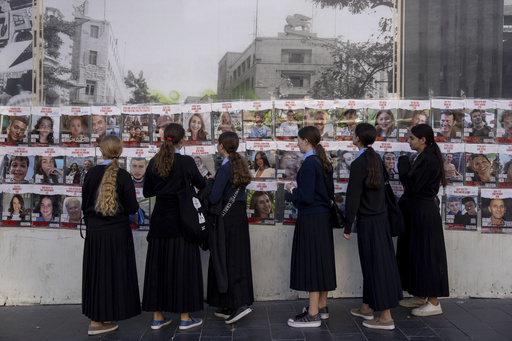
16	130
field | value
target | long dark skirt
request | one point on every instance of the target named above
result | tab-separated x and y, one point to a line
110	289
381	280
421	253
238	259
312	265
174	280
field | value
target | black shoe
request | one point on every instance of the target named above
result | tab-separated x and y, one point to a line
223	313
238	313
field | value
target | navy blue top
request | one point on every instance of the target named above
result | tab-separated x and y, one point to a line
223	187
311	196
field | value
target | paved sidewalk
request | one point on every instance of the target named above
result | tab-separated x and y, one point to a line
463	319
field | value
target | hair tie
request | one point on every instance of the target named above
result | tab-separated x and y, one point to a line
115	157
369	146
169	139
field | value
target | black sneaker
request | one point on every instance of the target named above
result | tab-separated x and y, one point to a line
305	321
238	313
324	312
223	313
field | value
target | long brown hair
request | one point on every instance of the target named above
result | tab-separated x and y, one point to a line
312	134
424	130
367	135
164	159
241	175
106	196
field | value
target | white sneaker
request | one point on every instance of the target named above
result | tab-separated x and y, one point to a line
428	309
412	302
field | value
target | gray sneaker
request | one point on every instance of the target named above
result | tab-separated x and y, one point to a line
104	328
428	309
324	312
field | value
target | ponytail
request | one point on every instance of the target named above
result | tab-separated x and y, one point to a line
164	159
241	176
367	135
106	196
320	152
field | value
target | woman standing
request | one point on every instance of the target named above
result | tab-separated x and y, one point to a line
312	265
233	175
110	289
173	281
421	252
366	200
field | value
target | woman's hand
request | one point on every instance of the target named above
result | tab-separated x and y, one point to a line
289	186
347	236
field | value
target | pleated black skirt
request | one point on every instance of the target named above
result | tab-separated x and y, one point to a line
312	265
381	281
110	289
238	262
421	252
173	281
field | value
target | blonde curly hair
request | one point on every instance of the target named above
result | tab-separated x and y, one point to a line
106	197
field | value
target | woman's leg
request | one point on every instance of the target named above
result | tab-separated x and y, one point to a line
314	298
322	301
158	316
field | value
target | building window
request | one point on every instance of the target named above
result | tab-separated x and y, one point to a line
296	58
297	81
90	88
95	31
93	57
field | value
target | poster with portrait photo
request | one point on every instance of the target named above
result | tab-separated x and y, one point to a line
504	169
461	208
15	128
321	114
481	165
19	169
104	121
45	126
479	121
71	216
347	154
227	117
74	126
504	121
49	170
448	116
46	210
289	160
383	115
78	162
410	114
140	220
16	209
162	116
454	163
257	120
389	153
261	202
289	118
332	150
204	158
261	159
349	114
496	210
135	121
197	123
137	160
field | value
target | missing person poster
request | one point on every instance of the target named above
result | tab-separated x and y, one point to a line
383	115
15	126
16	209
289	119
104	120
347	155
479	121
496	210
504	118
261	158
410	114
481	164
321	114
349	114
162	116
74	126
454	163
261	202
461	205
45	126
257	120
78	162
227	117
197	123
204	158
135	126
448	119
389	153
504	169
289	160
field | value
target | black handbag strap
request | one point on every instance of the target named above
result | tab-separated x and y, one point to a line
230	202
